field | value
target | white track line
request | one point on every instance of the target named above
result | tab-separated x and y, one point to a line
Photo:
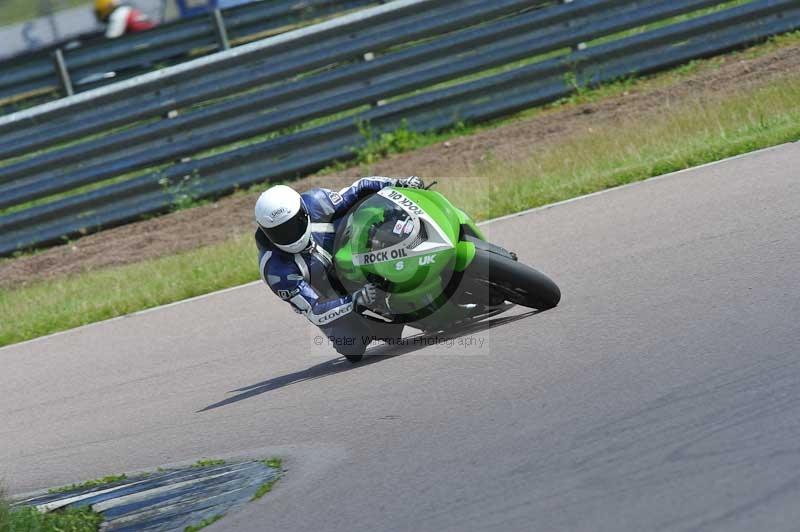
486	222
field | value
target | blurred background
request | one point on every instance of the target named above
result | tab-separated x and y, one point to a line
27	25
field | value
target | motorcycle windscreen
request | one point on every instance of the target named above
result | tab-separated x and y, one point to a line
382	224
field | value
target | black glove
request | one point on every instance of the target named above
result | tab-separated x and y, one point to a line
366	296
411	182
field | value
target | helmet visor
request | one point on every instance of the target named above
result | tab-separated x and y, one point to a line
289	231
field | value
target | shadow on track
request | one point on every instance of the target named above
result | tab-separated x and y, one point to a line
373	355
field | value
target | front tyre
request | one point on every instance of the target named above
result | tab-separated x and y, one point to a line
502	278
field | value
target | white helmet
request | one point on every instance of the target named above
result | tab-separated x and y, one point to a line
282	216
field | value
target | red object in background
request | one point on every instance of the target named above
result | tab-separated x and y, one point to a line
138	21
126	19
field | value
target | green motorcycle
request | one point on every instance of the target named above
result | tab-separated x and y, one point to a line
431	263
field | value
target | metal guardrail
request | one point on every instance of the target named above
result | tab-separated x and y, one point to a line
294	103
94	61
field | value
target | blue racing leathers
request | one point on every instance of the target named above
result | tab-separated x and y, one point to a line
307	279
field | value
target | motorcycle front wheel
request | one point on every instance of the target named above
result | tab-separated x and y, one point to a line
501	277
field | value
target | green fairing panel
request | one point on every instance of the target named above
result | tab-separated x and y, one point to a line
467	221
377	231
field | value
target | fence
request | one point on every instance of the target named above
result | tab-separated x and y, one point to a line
294	103
97	61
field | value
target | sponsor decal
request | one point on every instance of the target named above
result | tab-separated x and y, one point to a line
382	256
400	265
278	212
333	314
398	227
408	227
427	260
335	197
288	294
405	203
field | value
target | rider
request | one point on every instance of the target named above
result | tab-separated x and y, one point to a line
120	19
295	238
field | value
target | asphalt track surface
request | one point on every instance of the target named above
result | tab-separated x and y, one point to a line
663	394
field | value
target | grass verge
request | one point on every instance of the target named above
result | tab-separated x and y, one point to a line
702	128
30	311
89	484
27	519
693	130
263	489
208	462
202	524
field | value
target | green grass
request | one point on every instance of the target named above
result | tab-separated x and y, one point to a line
49	306
264	489
702	129
89	484
381	145
28	519
693	130
275	463
31	520
208	462
202	524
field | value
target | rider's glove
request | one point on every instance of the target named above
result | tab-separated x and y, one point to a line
366	296
411	182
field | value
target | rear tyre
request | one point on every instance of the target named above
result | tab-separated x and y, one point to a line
500	277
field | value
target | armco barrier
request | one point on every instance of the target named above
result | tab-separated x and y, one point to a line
98	61
276	108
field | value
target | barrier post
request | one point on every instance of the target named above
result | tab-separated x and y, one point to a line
220	30
64	80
